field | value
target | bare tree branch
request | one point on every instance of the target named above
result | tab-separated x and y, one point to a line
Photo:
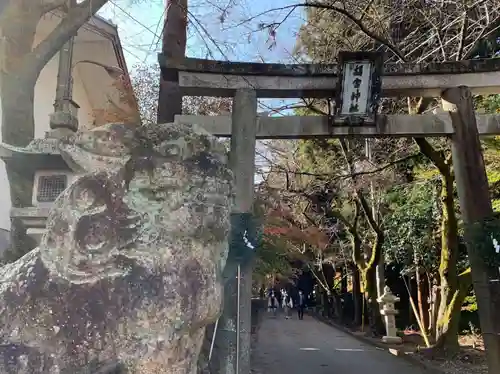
463	36
69	26
343	176
345	13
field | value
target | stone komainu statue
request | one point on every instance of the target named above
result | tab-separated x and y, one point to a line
129	268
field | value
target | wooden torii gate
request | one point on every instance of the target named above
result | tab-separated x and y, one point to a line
454	82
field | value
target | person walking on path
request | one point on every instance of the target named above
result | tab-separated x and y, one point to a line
279	298
301	305
287	304
272	303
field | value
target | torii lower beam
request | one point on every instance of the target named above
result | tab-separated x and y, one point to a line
303	127
198	77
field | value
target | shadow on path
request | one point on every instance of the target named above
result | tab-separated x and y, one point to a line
311	347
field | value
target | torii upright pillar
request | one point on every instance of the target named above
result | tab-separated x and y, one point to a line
477	215
232	342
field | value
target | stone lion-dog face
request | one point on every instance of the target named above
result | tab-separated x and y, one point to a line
152	203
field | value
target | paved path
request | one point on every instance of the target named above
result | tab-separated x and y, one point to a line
311	347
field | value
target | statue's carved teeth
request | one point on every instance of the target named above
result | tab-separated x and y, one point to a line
161	194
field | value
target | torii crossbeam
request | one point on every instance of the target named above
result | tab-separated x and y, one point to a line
198	77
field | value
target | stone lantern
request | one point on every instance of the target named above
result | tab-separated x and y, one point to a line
43	168
388	311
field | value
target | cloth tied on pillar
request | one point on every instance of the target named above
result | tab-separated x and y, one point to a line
245	237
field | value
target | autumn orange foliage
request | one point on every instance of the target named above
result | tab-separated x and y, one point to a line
281	223
125	110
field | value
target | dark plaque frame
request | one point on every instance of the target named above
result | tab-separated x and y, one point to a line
369	119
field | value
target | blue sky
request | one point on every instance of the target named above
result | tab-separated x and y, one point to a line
236	39
140	27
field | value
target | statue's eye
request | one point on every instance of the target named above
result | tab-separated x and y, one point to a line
170	149
89	197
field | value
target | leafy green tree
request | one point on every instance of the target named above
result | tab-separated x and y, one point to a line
408	32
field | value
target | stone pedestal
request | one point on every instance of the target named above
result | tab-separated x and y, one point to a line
388	311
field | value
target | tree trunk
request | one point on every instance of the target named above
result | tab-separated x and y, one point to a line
18	23
18	94
329	276
421	294
421	314
174	46
324	303
433	308
343	281
371	293
447	342
423	299
341	299
449	286
357	297
367	268
448	277
17	129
